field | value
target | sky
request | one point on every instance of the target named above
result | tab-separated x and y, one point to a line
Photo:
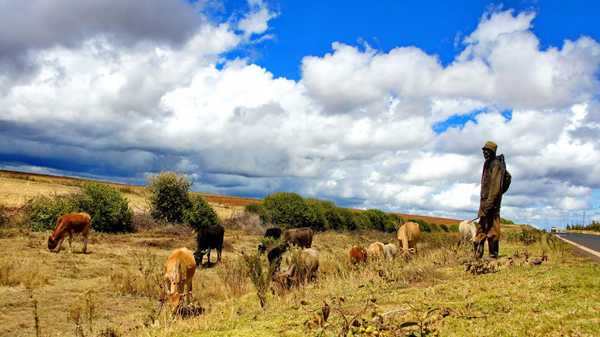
369	104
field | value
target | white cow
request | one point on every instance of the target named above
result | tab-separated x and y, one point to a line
466	231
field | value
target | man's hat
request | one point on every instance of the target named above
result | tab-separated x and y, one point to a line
490	146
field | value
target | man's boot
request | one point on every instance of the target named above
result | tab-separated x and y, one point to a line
494	248
478	249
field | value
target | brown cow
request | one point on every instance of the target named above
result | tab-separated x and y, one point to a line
70	224
408	236
179	271
375	250
299	236
358	254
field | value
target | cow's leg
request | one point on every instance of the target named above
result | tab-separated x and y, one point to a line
219	249
85	233
70	242
60	243
208	255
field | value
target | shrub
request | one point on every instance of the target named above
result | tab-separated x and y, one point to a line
288	210
108	208
200	213
259	210
454	228
168	198
444	228
332	215
378	219
348	219
45	210
362	220
318	220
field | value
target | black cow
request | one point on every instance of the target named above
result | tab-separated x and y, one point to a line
274	256
274	233
210	237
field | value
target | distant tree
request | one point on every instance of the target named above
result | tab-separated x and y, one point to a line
200	213
168	198
317	214
259	210
288	210
108	208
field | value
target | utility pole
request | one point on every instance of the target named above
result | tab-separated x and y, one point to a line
583	224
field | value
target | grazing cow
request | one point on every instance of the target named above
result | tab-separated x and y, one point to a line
390	251
210	237
466	231
408	236
70	224
274	256
309	264
299	236
358	254
274	233
375	250
179	272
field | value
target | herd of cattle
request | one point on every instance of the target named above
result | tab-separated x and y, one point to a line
180	267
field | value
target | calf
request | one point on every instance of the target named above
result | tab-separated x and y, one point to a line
179	272
358	254
274	256
390	251
302	237
466	231
408	236
375	250
210	237
70	224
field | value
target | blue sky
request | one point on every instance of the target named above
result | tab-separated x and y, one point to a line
380	104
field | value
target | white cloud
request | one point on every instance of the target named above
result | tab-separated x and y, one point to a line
357	128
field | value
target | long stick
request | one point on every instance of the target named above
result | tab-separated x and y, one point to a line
474	219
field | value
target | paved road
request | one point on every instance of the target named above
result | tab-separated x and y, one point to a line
585	244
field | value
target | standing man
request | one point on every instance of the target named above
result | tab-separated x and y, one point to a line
489	204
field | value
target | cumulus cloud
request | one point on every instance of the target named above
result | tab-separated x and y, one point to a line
397	131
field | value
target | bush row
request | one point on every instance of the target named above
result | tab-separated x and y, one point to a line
290	210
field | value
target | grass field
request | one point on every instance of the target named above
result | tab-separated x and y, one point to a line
114	290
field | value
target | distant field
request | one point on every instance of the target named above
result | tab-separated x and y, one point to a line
16	188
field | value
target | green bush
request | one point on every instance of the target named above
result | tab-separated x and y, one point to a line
362	220
168	198
444	228
348	219
288	210
45	210
454	228
108	208
200	213
333	216
316	214
259	210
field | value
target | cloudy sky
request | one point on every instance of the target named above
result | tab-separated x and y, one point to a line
381	104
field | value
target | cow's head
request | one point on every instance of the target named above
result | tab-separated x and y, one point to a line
198	255
52	243
175	299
